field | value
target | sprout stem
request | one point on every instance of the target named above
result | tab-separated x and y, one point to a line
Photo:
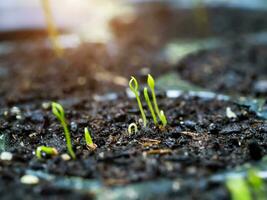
150	106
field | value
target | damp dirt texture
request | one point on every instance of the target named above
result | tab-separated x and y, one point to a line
239	69
199	140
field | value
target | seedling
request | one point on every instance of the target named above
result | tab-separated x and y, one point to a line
58	111
150	106
133	84
88	140
52	30
151	84
163	118
132	126
51	151
238	188
257	184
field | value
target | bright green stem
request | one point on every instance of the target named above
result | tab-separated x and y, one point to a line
150	106
87	136
141	108
151	84
68	139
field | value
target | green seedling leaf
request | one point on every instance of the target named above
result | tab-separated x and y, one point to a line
47	150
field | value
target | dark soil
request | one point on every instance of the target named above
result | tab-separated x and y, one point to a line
199	141
31	71
239	69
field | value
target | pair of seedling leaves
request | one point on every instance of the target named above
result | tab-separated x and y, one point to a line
58	111
154	110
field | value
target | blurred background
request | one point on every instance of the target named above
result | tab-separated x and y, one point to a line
110	40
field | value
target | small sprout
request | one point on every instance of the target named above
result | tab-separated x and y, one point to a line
58	111
132	126
47	150
150	105
163	118
88	139
238	188
256	183
133	84
151	84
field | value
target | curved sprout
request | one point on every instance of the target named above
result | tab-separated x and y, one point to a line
132	126
48	150
134	89
150	106
58	111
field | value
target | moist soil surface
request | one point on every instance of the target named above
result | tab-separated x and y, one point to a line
239	69
31	71
199	141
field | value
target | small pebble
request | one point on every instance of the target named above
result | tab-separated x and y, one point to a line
46	105
29	179
65	157
7	156
230	114
261	86
15	110
73	126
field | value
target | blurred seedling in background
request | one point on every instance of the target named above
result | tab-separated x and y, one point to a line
257	184
133	84
48	151
132	128
58	111
52	30
88	139
238	188
251	187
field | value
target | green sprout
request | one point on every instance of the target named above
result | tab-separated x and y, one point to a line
151	84
150	106
132	126
133	84
163	118
238	188
58	111
88	139
47	150
256	183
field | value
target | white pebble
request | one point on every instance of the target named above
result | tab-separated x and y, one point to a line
29	179
65	157
6	156
229	113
